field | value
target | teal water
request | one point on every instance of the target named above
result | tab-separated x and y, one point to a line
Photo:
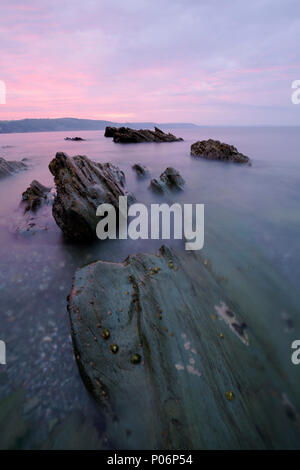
252	226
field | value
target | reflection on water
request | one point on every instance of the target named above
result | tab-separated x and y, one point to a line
252	225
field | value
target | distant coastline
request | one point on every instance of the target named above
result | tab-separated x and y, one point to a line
74	124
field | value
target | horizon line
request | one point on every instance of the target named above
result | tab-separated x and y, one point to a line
150	122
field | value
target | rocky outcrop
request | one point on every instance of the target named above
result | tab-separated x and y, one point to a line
170	359
170	179
140	170
8	168
216	150
81	186
125	135
75	139
109	131
34	195
36	207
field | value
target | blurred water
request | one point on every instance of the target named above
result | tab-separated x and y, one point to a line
252	226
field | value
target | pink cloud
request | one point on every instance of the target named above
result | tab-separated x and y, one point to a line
120	60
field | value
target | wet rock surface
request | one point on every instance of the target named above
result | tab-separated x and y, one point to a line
8	168
170	179
36	210
125	135
82	185
216	150
140	170
74	139
34	195
168	372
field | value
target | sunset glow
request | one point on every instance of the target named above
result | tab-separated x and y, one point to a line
188	62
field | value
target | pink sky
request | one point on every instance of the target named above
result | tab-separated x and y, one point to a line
207	62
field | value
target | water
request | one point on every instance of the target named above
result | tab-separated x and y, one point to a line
252	226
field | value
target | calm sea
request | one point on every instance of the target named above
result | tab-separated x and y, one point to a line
252	227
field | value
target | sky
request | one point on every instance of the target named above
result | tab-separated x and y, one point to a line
210	62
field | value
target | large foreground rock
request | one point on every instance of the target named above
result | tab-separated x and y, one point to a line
216	150
82	185
170	360
170	179
125	135
8	168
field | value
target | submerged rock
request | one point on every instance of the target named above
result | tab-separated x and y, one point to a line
175	382
169	179
82	185
12	420
216	150
126	135
8	168
141	170
74	432
36	216
76	139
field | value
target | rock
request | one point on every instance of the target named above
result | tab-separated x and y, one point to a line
141	170
216	150
76	139
109	131
8	168
34	195
82	185
156	186
126	135
166	386
172	178
36	215
169	179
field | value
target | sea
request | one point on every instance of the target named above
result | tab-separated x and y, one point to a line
251	240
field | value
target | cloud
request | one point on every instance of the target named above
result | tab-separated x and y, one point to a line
161	60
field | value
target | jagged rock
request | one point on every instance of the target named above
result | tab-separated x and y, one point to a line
82	185
169	179
156	346
156	186
216	150
126	135
8	168
172	178
36	215
109	131
141	170
76	139
34	195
